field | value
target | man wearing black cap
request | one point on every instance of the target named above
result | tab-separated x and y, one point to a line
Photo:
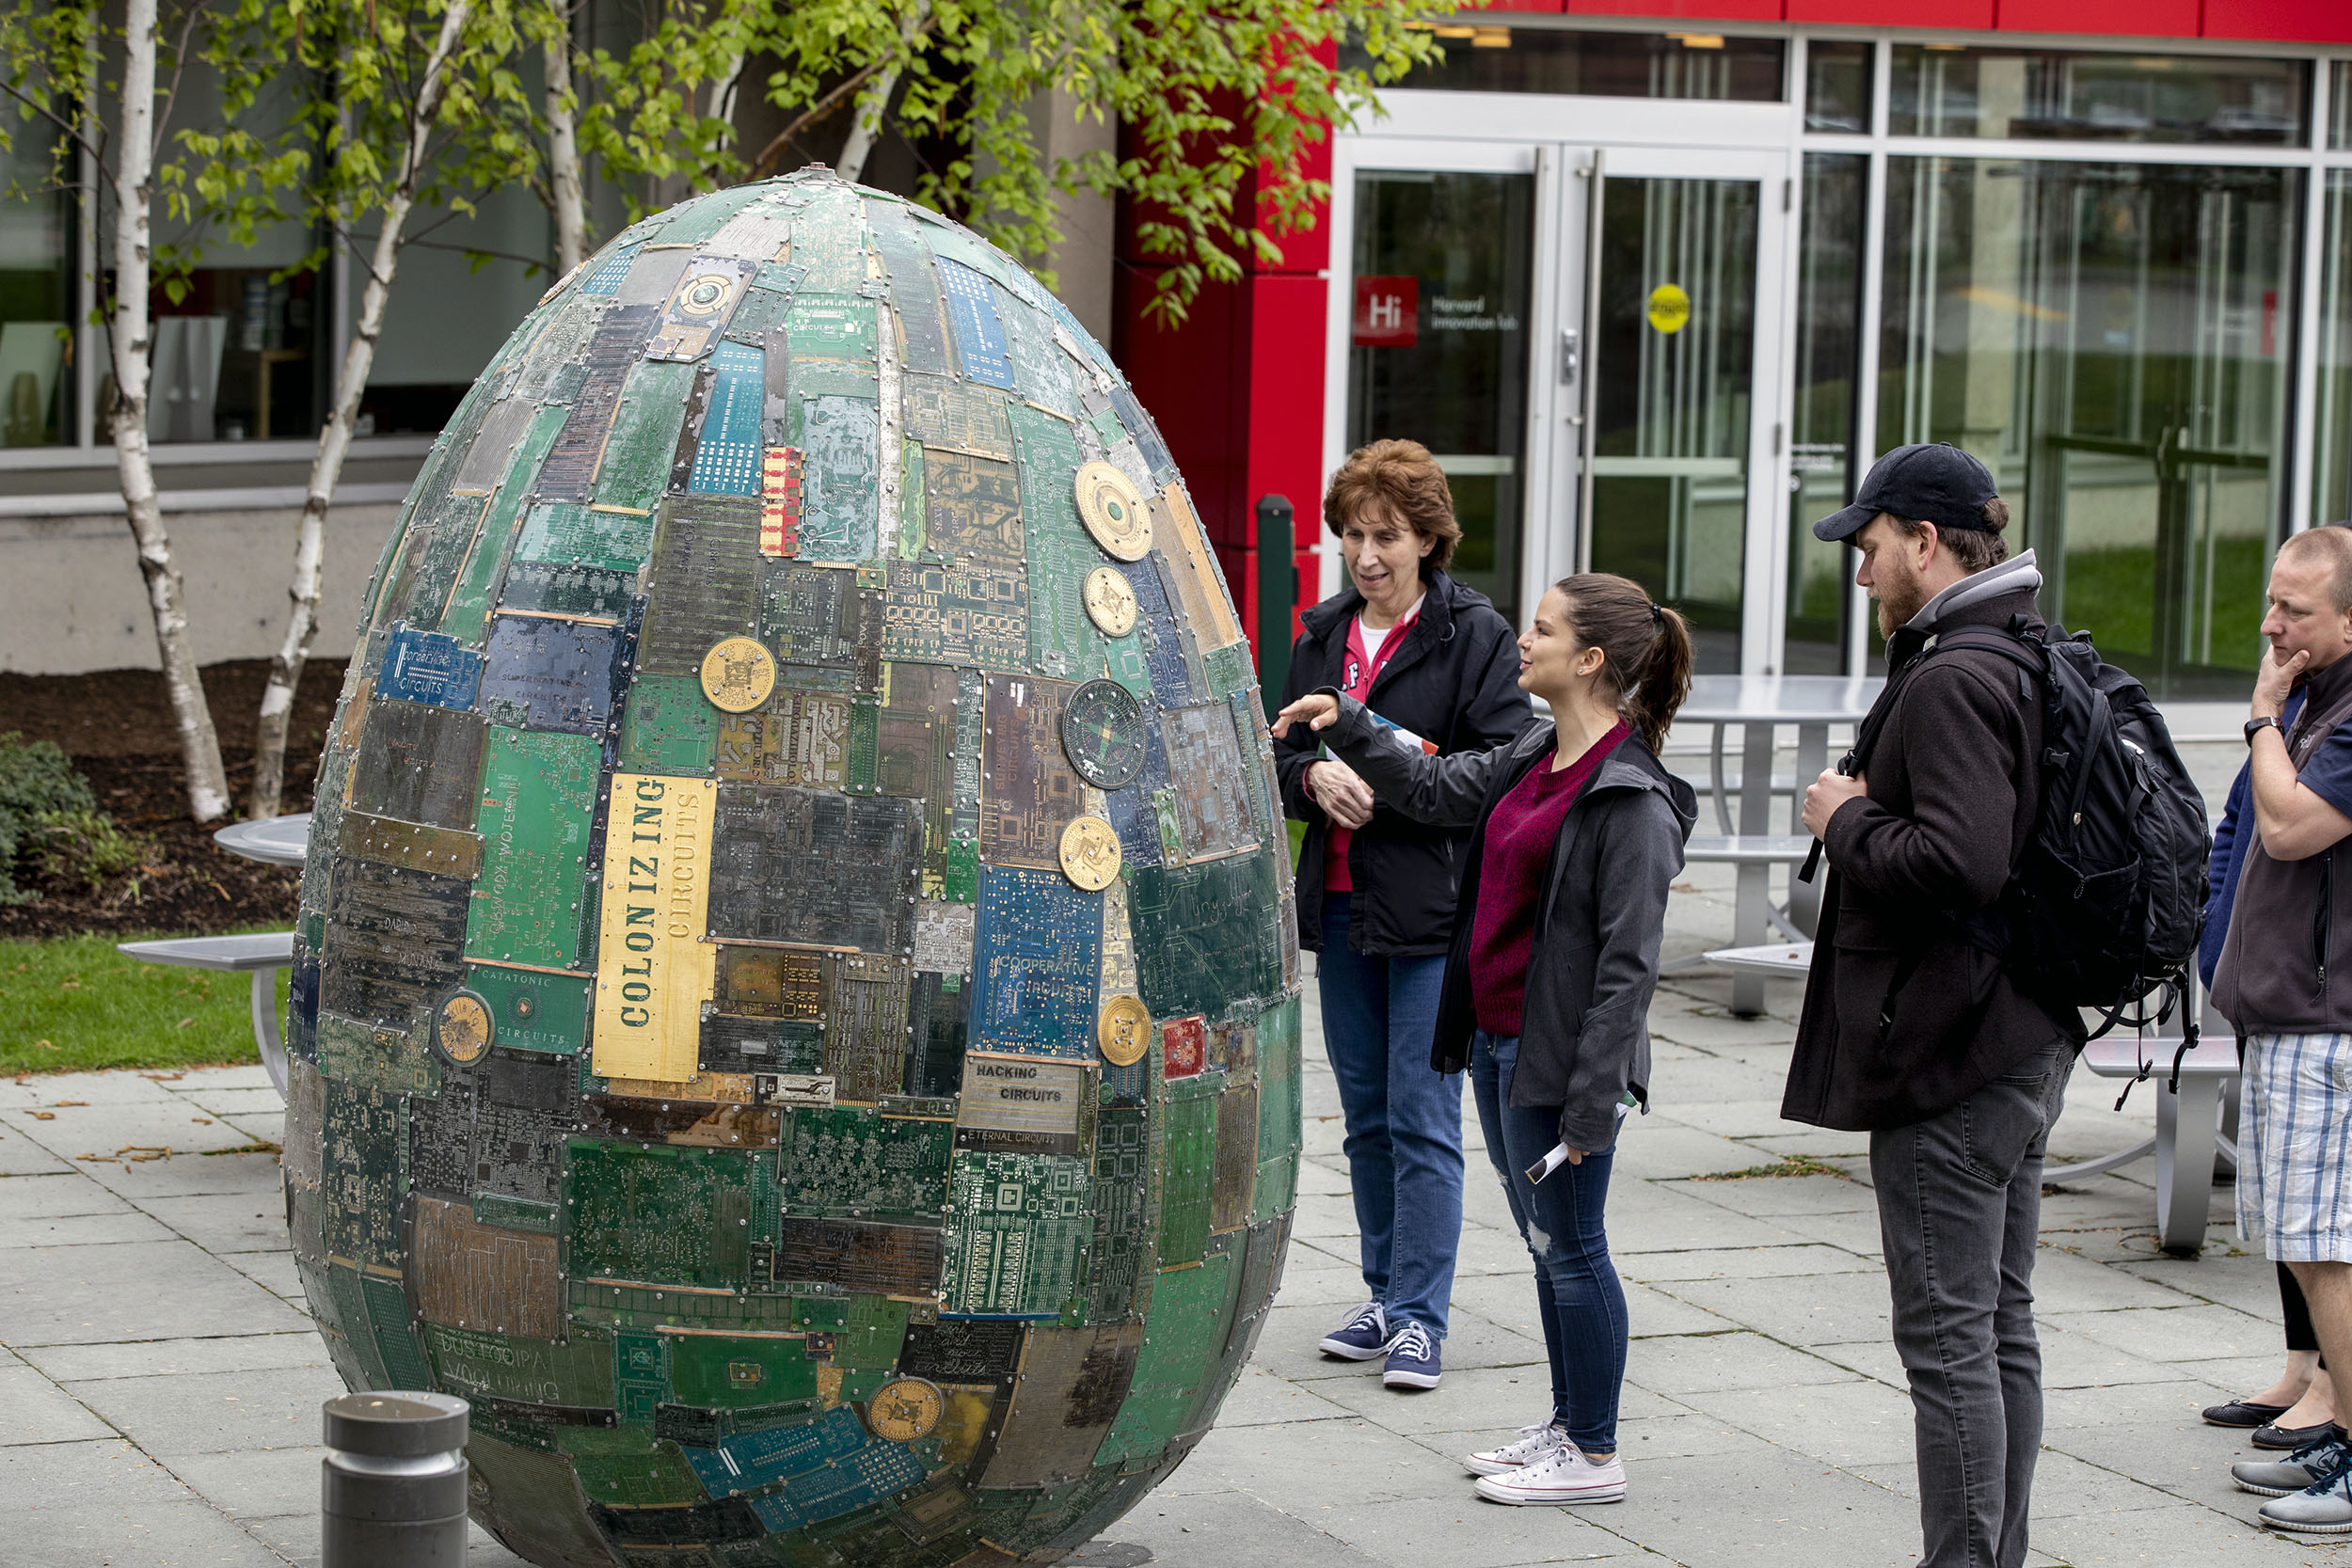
1911	1030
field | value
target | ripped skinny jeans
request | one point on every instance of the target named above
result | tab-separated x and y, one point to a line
1578	1295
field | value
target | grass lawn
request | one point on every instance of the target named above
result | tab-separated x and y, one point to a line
71	1004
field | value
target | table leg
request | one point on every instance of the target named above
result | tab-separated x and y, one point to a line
2186	1125
265	1034
1751	927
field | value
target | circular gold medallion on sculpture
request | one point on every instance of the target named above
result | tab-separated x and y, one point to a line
904	1409
1112	512
462	1028
707	294
1089	853
1110	601
1123	1031
738	674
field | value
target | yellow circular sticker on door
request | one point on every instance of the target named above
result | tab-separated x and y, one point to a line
1669	308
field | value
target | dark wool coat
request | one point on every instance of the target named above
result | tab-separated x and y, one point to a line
1907	1010
1592	966
1455	680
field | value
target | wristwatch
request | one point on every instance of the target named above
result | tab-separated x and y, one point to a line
2255	726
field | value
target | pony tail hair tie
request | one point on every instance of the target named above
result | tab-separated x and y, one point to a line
1656	614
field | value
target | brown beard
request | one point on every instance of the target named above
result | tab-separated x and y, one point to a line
1897	603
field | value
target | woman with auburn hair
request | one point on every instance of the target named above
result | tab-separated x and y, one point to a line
1375	888
1577	835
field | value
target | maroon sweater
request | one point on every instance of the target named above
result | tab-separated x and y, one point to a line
1520	838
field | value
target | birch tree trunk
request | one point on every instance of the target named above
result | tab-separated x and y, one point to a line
133	179
285	671
874	103
571	207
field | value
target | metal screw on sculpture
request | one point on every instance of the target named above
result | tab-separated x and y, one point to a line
735	1047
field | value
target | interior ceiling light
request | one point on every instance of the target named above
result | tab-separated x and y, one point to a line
1490	38
1698	40
1445	31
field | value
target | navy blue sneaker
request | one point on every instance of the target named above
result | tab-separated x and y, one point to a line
1412	1359
1366	1335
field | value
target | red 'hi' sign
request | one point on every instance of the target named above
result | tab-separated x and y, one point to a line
1387	311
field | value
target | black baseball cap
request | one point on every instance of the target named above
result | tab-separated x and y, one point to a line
1931	483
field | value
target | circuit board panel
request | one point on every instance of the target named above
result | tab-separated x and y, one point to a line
538	798
1021	1223
1028	791
853	1163
794	866
1036	962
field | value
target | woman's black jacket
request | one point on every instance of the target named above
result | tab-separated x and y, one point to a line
1454	681
1593	968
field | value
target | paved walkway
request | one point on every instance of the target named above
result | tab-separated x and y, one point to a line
160	1386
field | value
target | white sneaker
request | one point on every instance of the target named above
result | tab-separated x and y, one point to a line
1534	1443
1564	1476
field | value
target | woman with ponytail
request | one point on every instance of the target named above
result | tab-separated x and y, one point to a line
1578	834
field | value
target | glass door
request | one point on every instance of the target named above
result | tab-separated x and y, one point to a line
1677	456
1561	370
1442	261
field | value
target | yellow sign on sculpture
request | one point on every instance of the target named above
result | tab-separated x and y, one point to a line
654	970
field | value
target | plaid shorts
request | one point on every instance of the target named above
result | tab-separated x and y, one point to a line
2295	1147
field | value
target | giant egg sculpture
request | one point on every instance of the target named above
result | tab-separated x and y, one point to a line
796	998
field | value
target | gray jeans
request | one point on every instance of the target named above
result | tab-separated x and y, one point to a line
1959	1200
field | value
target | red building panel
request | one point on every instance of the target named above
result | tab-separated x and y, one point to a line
1681	10
2127	17
2287	20
1955	14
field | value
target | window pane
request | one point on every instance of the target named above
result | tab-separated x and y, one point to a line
235	356
2339	117
1944	90
2331	481
1486	58
1443	263
1677	363
2112	340
36	294
1829	293
1836	86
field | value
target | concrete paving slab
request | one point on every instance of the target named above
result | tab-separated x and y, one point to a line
2189	1332
1846	1424
1261	1399
56	1193
141	1125
224	1222
2185	1532
1733	1119
1663	1148
193	1413
1308	1466
255	1483
216	1099
1471	1533
1795	1310
158	1358
1696	1362
82	1505
1782	1196
18	1231
274	1272
35	1410
91	1294
1232	1526
1748	1262
21	1156
188	1175
1762	1508
96	1088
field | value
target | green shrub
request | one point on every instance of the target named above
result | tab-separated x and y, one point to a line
86	847
35	780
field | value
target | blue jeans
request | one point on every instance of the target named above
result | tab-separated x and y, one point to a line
1404	1121
1577	1291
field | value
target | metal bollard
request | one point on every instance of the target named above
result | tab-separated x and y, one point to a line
392	1489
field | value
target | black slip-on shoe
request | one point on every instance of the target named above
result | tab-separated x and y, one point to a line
2276	1436
2243	1413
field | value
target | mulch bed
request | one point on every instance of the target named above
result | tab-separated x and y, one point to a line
117	726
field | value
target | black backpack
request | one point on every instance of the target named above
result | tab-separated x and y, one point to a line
2106	906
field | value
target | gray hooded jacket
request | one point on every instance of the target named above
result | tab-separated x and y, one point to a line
1593	968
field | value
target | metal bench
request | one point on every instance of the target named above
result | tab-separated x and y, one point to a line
1755	916
258	954
1778	960
2188	1127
